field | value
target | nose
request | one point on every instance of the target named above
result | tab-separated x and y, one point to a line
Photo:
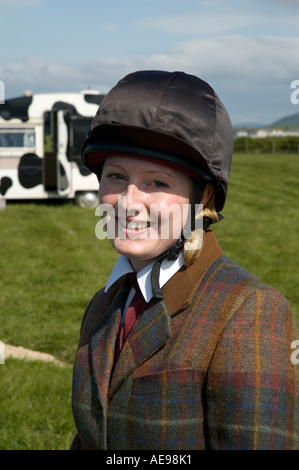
132	201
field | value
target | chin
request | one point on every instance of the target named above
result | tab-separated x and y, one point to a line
130	248
139	250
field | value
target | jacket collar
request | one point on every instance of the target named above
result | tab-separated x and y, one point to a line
178	285
179	290
167	270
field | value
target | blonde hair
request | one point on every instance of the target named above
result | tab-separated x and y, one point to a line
193	245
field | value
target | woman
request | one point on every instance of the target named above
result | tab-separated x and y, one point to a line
202	360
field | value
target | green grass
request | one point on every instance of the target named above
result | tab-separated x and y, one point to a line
35	408
52	264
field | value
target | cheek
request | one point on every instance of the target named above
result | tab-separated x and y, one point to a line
101	192
180	203
173	216
105	195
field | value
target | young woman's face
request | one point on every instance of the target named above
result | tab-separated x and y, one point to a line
149	205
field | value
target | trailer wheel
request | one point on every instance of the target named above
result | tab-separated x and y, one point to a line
88	199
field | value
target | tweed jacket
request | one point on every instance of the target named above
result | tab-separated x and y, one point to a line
207	367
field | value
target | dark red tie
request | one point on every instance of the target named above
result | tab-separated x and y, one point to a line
135	309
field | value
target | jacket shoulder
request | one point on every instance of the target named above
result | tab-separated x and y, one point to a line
227	286
229	273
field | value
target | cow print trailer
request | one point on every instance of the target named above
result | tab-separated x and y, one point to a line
40	145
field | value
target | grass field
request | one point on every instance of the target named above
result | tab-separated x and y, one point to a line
52	264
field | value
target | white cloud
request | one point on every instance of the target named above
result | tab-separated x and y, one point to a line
198	22
222	19
262	59
43	75
109	27
251	75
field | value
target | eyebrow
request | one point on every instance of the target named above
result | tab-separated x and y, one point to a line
111	166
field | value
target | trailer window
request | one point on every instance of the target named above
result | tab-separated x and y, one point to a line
17	137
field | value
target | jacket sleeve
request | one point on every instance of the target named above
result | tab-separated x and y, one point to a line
76	444
252	398
85	330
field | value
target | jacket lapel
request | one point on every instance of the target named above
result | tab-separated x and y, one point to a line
180	289
149	334
103	340
93	365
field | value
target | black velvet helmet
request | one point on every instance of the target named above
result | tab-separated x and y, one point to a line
172	117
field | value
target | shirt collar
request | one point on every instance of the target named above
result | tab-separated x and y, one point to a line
167	270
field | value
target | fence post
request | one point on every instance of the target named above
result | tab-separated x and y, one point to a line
2	353
2	92
2	202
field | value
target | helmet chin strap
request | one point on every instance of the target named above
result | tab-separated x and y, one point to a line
171	254
174	252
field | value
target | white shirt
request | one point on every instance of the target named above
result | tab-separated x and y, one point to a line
123	266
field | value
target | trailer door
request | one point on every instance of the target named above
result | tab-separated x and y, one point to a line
57	168
63	164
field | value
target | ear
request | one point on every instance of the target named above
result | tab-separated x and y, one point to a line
207	195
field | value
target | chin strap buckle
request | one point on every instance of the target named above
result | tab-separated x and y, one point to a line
174	252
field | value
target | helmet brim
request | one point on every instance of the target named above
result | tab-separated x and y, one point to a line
143	142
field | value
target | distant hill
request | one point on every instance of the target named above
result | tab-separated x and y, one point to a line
288	121
249	125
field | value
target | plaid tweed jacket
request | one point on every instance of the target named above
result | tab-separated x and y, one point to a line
208	367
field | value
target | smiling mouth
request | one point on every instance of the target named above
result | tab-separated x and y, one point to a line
135	225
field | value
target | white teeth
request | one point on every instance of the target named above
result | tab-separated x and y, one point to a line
133	225
136	225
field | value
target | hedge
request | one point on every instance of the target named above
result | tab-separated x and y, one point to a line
266	145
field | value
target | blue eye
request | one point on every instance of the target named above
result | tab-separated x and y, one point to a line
159	184
115	176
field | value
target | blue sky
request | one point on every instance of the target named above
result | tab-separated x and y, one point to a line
248	50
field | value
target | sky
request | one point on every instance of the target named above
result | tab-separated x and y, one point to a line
247	50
